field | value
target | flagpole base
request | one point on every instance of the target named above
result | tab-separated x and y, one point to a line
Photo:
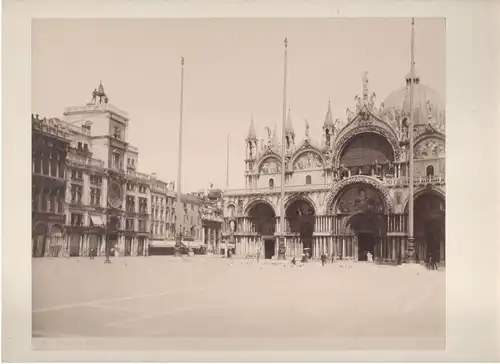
410	253
281	248
177	246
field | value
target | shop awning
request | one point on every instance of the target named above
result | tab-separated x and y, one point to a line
193	244
96	220
162	244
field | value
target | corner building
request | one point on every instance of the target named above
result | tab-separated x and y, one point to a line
348	193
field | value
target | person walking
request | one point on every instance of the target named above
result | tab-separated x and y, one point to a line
323	259
258	255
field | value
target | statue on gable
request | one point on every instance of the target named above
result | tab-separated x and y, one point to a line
373	97
269	135
94	95
359	104
307	129
349	114
390	169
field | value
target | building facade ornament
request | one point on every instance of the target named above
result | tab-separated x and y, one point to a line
371	181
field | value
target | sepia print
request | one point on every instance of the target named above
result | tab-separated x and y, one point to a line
209	194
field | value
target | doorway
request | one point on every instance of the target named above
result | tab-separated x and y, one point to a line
366	242
269	248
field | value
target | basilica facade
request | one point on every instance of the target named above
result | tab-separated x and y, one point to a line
347	194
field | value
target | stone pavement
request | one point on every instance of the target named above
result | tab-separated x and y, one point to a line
208	297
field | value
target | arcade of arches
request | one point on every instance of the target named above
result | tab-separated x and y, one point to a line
357	223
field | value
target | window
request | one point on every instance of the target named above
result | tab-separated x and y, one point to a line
86	147
117	133
271	182
129	224
76	219
430	170
308	180
76	194
143	205
95	196
80	146
116	160
142	226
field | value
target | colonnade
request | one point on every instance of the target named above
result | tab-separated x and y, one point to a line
211	238
330	236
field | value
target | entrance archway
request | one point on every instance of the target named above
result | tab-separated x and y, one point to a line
368	229
429	226
300	215
362	208
263	218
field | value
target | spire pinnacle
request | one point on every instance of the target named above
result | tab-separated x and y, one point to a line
251	130
328	117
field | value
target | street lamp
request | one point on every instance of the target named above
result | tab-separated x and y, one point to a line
107	240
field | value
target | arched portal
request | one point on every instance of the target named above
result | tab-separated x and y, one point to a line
362	209
368	154
300	215
429	226
263	219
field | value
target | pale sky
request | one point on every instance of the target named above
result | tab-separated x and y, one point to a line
233	67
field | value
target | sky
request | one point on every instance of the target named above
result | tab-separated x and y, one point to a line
233	69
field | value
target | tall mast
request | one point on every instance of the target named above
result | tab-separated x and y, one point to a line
281	245
227	163
178	237
411	238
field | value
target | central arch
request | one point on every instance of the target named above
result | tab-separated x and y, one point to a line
300	217
263	218
370	132
360	204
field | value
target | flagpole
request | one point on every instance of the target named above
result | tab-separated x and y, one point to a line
281	242
178	235
227	187
227	163
411	238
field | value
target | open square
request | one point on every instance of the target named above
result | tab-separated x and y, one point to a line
207	297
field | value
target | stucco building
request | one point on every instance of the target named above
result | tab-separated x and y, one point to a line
49	142
347	193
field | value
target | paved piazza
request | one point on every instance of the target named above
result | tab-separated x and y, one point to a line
205	296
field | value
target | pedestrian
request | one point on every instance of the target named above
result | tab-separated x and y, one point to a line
91	253
293	261
323	259
258	255
333	258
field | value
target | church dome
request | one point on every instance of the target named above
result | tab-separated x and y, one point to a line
428	106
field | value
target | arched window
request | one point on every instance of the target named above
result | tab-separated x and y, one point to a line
308	180
271	182
430	170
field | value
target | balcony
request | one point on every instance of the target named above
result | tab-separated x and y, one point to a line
84	161
387	181
211	217
138	175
